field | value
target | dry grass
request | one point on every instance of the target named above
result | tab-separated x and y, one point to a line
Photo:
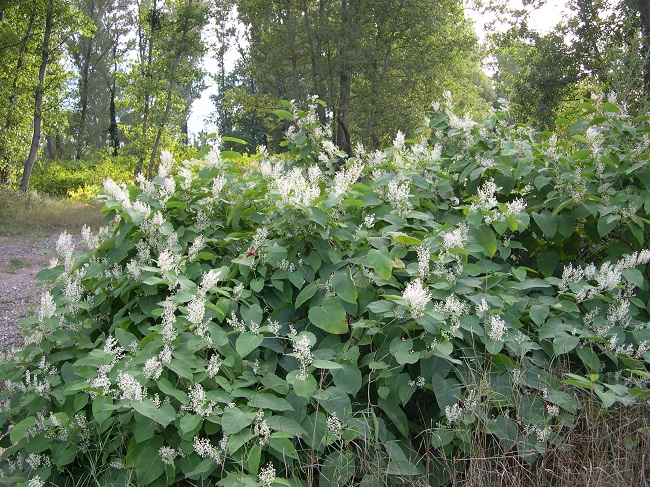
31	214
607	448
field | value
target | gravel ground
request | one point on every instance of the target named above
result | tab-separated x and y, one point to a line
19	290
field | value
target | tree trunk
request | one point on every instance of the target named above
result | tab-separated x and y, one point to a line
112	128
345	78
644	17
38	98
168	105
83	95
5	156
343	130
50	149
292	51
316	54
147	98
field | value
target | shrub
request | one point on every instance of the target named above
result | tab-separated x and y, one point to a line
299	324
80	178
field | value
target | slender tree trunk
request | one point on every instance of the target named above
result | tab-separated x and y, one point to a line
50	146
83	95
5	156
168	104
38	98
343	131
147	97
345	79
315	55
112	128
292	51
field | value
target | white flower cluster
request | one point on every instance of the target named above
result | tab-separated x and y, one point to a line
419	382
47	308
486	202
130	388
205	449
65	250
452	305
334	425
398	196
456	238
273	327
236	323
196	311
497	329
552	410
424	258
605	279
36	482
453	413
416	297
168	454
195	248
483	306
343	178
152	368
267	475
261	429
214	364
199	402
302	351
294	189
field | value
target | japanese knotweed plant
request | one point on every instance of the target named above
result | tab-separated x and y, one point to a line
306	321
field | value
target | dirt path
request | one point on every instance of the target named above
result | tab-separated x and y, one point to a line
19	290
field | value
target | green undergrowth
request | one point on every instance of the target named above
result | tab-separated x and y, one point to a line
33	214
476	293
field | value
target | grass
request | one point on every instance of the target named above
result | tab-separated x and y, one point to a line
608	447
32	214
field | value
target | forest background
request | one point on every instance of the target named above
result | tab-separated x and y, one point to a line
97	88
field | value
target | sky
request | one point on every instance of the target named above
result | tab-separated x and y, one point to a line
543	20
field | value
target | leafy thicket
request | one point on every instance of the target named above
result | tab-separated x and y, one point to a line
290	321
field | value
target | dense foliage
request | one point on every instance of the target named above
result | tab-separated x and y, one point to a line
287	323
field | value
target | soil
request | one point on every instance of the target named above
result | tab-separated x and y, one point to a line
20	260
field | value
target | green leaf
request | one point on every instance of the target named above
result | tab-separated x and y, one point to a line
233	139
546	222
284	115
484	236
234	420
329	316
247	342
163	415
505	429
306	294
538	313
404	239
607	223
610	107
190	423
547	261
396	416
338	468
148	465
347	378
264	400
230	154
589	358
19	430
344	287
381	262
302	387
564	343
